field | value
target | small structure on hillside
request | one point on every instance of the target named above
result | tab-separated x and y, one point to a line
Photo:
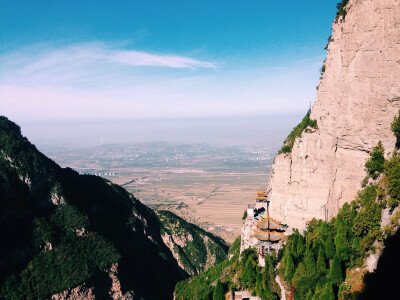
250	209
240	295
262	196
268	232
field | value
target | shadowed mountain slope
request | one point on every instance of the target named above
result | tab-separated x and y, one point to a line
62	230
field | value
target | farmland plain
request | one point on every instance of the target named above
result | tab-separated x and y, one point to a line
206	185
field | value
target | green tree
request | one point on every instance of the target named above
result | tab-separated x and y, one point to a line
367	220
300	273
299	246
293	243
269	269
309	295
289	268
327	292
318	291
335	272
375	165
345	213
329	248
269	263
310	263
341	241
396	129
219	293
324	231
321	264
249	274
392	170
282	265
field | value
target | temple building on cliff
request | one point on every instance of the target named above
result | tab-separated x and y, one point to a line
268	231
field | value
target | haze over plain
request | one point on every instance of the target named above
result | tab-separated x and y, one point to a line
94	63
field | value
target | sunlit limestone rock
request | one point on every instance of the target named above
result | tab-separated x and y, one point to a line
357	98
246	240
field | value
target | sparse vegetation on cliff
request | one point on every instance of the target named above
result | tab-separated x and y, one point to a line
396	129
341	9
327	44
375	165
307	122
323	69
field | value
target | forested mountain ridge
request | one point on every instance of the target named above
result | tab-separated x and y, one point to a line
62	230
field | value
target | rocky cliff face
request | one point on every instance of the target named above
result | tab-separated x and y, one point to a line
357	99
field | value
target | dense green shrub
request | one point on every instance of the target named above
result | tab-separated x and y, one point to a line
392	171
341	9
396	129
219	293
297	131
323	69
375	165
335	272
70	263
236	273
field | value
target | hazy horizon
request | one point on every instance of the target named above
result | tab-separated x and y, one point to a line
220	73
263	131
173	60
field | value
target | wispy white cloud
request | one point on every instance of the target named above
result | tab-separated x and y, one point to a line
98	81
64	65
135	58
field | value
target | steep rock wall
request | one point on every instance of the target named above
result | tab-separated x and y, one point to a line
357	98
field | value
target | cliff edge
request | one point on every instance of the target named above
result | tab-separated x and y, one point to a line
357	98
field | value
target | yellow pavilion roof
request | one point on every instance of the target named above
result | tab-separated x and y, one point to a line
268	223
272	236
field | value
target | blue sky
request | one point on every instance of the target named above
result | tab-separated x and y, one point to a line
111	60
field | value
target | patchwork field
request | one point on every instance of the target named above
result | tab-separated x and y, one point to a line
208	186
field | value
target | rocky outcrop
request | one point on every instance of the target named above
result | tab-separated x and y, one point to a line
357	99
79	292
108	287
246	241
194	249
